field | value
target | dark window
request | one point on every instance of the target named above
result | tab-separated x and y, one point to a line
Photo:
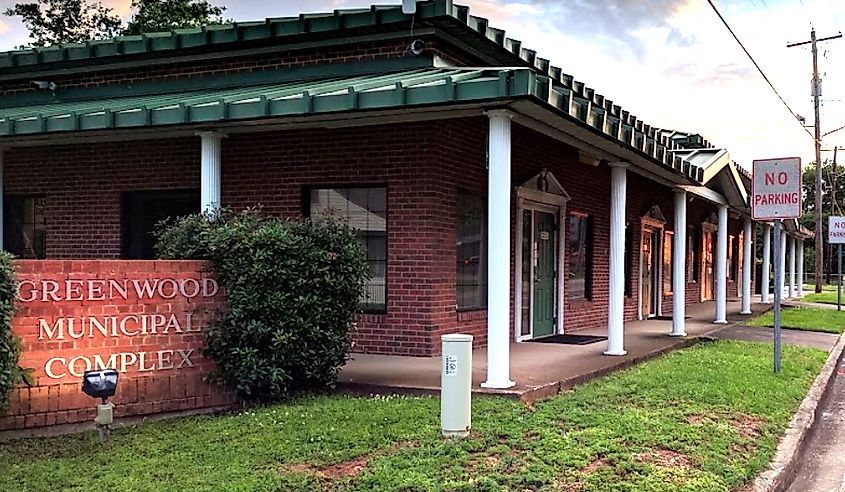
668	259
695	254
471	246
580	251
629	260
25	226
142	210
731	258
365	210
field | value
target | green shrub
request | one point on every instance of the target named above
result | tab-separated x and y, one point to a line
10	373
293	287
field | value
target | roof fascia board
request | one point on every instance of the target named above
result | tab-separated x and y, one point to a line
307	121
216	55
705	193
720	160
740	185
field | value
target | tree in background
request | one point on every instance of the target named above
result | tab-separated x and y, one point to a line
167	15
833	203
74	21
66	21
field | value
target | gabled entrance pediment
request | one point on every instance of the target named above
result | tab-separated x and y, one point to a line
545	188
654	217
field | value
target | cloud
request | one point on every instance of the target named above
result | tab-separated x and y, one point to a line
4	27
706	74
617	24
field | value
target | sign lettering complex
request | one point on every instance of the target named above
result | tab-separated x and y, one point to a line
776	191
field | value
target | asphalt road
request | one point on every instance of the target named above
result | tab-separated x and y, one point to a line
822	467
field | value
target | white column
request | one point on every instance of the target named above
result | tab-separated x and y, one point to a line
210	164
791	267
499	250
679	281
767	263
2	196
747	256
616	294
782	261
801	267
722	266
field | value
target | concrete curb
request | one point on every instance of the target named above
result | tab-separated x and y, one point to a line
784	465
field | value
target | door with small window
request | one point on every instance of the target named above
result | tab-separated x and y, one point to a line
539	272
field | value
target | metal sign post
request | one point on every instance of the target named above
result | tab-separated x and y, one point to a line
778	292
776	195
836	235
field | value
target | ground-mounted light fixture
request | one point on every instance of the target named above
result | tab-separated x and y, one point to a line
101	384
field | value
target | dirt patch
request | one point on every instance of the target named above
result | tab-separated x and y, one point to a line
665	458
345	469
749	487
747	426
697	419
593	466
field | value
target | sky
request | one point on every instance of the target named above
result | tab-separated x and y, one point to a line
670	62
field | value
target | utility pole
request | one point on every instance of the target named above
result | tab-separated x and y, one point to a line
818	137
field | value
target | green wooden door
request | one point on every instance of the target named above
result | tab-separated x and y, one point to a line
545	259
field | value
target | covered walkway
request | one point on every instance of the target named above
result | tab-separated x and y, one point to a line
540	369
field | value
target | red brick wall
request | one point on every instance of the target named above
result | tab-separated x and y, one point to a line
365	51
423	166
83	183
161	366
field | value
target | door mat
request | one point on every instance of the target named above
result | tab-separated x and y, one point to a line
570	339
666	318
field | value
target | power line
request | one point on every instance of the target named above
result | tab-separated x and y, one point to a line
757	66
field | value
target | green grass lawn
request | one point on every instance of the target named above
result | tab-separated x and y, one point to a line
706	418
806	319
825	297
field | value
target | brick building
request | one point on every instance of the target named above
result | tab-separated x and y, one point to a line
495	194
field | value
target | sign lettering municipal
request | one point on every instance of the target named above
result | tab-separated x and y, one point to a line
776	189
836	230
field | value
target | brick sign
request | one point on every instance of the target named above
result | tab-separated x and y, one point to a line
776	189
143	318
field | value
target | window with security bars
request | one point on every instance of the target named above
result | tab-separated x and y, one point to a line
365	210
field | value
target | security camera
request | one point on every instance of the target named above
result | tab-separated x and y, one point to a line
417	47
43	85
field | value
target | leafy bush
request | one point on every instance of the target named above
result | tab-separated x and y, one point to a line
294	288
10	373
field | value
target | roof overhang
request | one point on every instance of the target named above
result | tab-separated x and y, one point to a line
418	93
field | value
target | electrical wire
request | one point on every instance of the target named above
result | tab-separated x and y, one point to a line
833	131
757	66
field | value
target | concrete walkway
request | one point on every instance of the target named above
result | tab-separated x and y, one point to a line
822	464
814	305
823	341
539	369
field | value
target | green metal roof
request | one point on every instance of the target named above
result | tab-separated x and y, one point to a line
401	90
